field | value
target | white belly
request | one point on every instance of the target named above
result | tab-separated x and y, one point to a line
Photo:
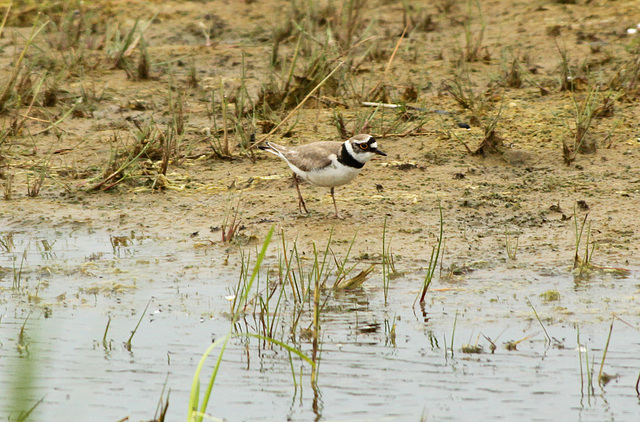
333	175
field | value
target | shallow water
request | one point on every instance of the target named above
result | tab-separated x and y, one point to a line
72	282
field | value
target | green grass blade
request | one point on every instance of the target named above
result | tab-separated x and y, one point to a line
193	414
214	374
284	346
195	386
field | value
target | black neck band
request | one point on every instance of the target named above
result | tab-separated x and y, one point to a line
347	159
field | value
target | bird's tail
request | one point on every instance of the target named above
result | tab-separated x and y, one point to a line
266	147
270	148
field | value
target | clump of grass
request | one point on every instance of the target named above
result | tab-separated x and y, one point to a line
585	369
198	405
286	91
282	122
34	186
461	89
220	145
122	164
269	313
491	141
7	243
345	23
22	383
627	77
230	224
308	287
402	121
343	282
37	176
74	37
326	37
417	19
145	161
172	138
19	120
17	272
342	271
584	113
192	77
143	70
582	264
23	339
388	263
510	246
8	183
90	96
433	262
120	45
10	94
571	79
234	115
474	50
513	73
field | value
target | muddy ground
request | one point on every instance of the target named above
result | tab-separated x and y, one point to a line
564	52
126	159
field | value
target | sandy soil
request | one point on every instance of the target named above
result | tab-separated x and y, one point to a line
527	191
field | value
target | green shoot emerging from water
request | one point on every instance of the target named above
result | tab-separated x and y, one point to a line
197	407
433	261
127	345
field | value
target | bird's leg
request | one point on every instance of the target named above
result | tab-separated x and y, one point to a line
301	204
335	205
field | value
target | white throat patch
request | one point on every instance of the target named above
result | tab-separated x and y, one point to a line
360	156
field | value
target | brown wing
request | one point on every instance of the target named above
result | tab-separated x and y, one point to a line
311	156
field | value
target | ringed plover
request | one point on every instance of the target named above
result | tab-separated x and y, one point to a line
327	163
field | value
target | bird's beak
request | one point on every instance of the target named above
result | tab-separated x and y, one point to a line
377	151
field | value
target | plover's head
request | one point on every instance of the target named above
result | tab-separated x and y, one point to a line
363	147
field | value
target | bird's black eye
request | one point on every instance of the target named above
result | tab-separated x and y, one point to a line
364	147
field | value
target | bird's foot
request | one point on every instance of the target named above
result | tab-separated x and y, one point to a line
302	206
338	216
